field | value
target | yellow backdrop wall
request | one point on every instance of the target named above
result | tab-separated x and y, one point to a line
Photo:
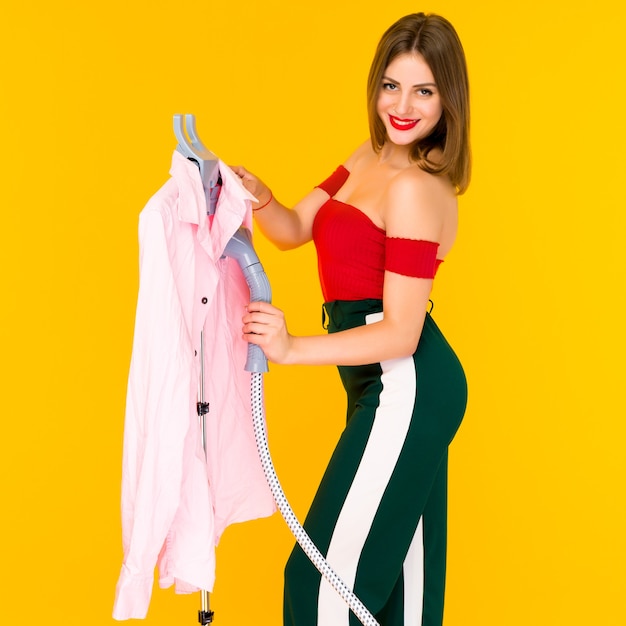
532	297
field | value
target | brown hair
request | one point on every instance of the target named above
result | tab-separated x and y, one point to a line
435	39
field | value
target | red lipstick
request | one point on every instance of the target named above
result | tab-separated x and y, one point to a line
400	124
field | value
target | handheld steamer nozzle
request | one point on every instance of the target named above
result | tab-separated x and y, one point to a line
240	248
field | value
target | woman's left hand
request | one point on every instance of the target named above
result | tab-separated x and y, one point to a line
265	326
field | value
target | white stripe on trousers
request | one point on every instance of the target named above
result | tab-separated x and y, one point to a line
413	571
391	424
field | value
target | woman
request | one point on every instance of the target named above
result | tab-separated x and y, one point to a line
382	224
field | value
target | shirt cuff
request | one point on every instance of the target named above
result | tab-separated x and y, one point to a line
132	595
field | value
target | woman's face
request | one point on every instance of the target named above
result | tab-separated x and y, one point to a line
409	103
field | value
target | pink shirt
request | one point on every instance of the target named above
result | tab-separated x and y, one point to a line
175	505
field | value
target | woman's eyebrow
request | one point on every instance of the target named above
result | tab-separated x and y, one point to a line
395	82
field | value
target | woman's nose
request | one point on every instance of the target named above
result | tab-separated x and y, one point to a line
403	105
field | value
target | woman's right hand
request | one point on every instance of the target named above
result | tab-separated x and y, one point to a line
286	228
254	185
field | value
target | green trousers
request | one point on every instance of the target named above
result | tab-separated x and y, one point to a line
379	515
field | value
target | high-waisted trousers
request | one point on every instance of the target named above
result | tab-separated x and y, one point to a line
380	513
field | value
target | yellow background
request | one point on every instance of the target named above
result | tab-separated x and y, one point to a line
532	297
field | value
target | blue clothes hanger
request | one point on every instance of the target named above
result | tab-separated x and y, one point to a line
190	146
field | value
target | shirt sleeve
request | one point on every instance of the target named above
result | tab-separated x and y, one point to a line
156	422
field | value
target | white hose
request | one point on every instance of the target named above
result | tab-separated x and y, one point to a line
309	548
240	248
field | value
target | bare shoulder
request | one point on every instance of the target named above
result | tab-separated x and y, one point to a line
419	202
361	153
413	183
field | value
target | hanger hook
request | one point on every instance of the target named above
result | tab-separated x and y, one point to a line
183	142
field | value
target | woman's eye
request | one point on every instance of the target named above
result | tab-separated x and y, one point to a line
425	92
389	86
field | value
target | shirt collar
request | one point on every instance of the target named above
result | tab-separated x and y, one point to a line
192	206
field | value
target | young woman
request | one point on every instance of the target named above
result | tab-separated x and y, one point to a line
382	224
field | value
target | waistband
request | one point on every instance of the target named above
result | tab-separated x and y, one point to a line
342	314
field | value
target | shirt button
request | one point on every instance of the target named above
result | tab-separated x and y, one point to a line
205	300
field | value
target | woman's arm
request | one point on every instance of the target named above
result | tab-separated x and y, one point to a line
414	210
286	228
396	335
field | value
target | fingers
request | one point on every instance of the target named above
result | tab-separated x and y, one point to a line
262	319
264	325
249	181
244	174
259	329
262	307
253	319
257	333
253	184
239	170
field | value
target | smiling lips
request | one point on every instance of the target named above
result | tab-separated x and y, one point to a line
400	124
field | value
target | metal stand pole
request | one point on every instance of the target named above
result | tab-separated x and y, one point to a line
205	615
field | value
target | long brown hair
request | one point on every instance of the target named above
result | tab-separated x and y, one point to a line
435	39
